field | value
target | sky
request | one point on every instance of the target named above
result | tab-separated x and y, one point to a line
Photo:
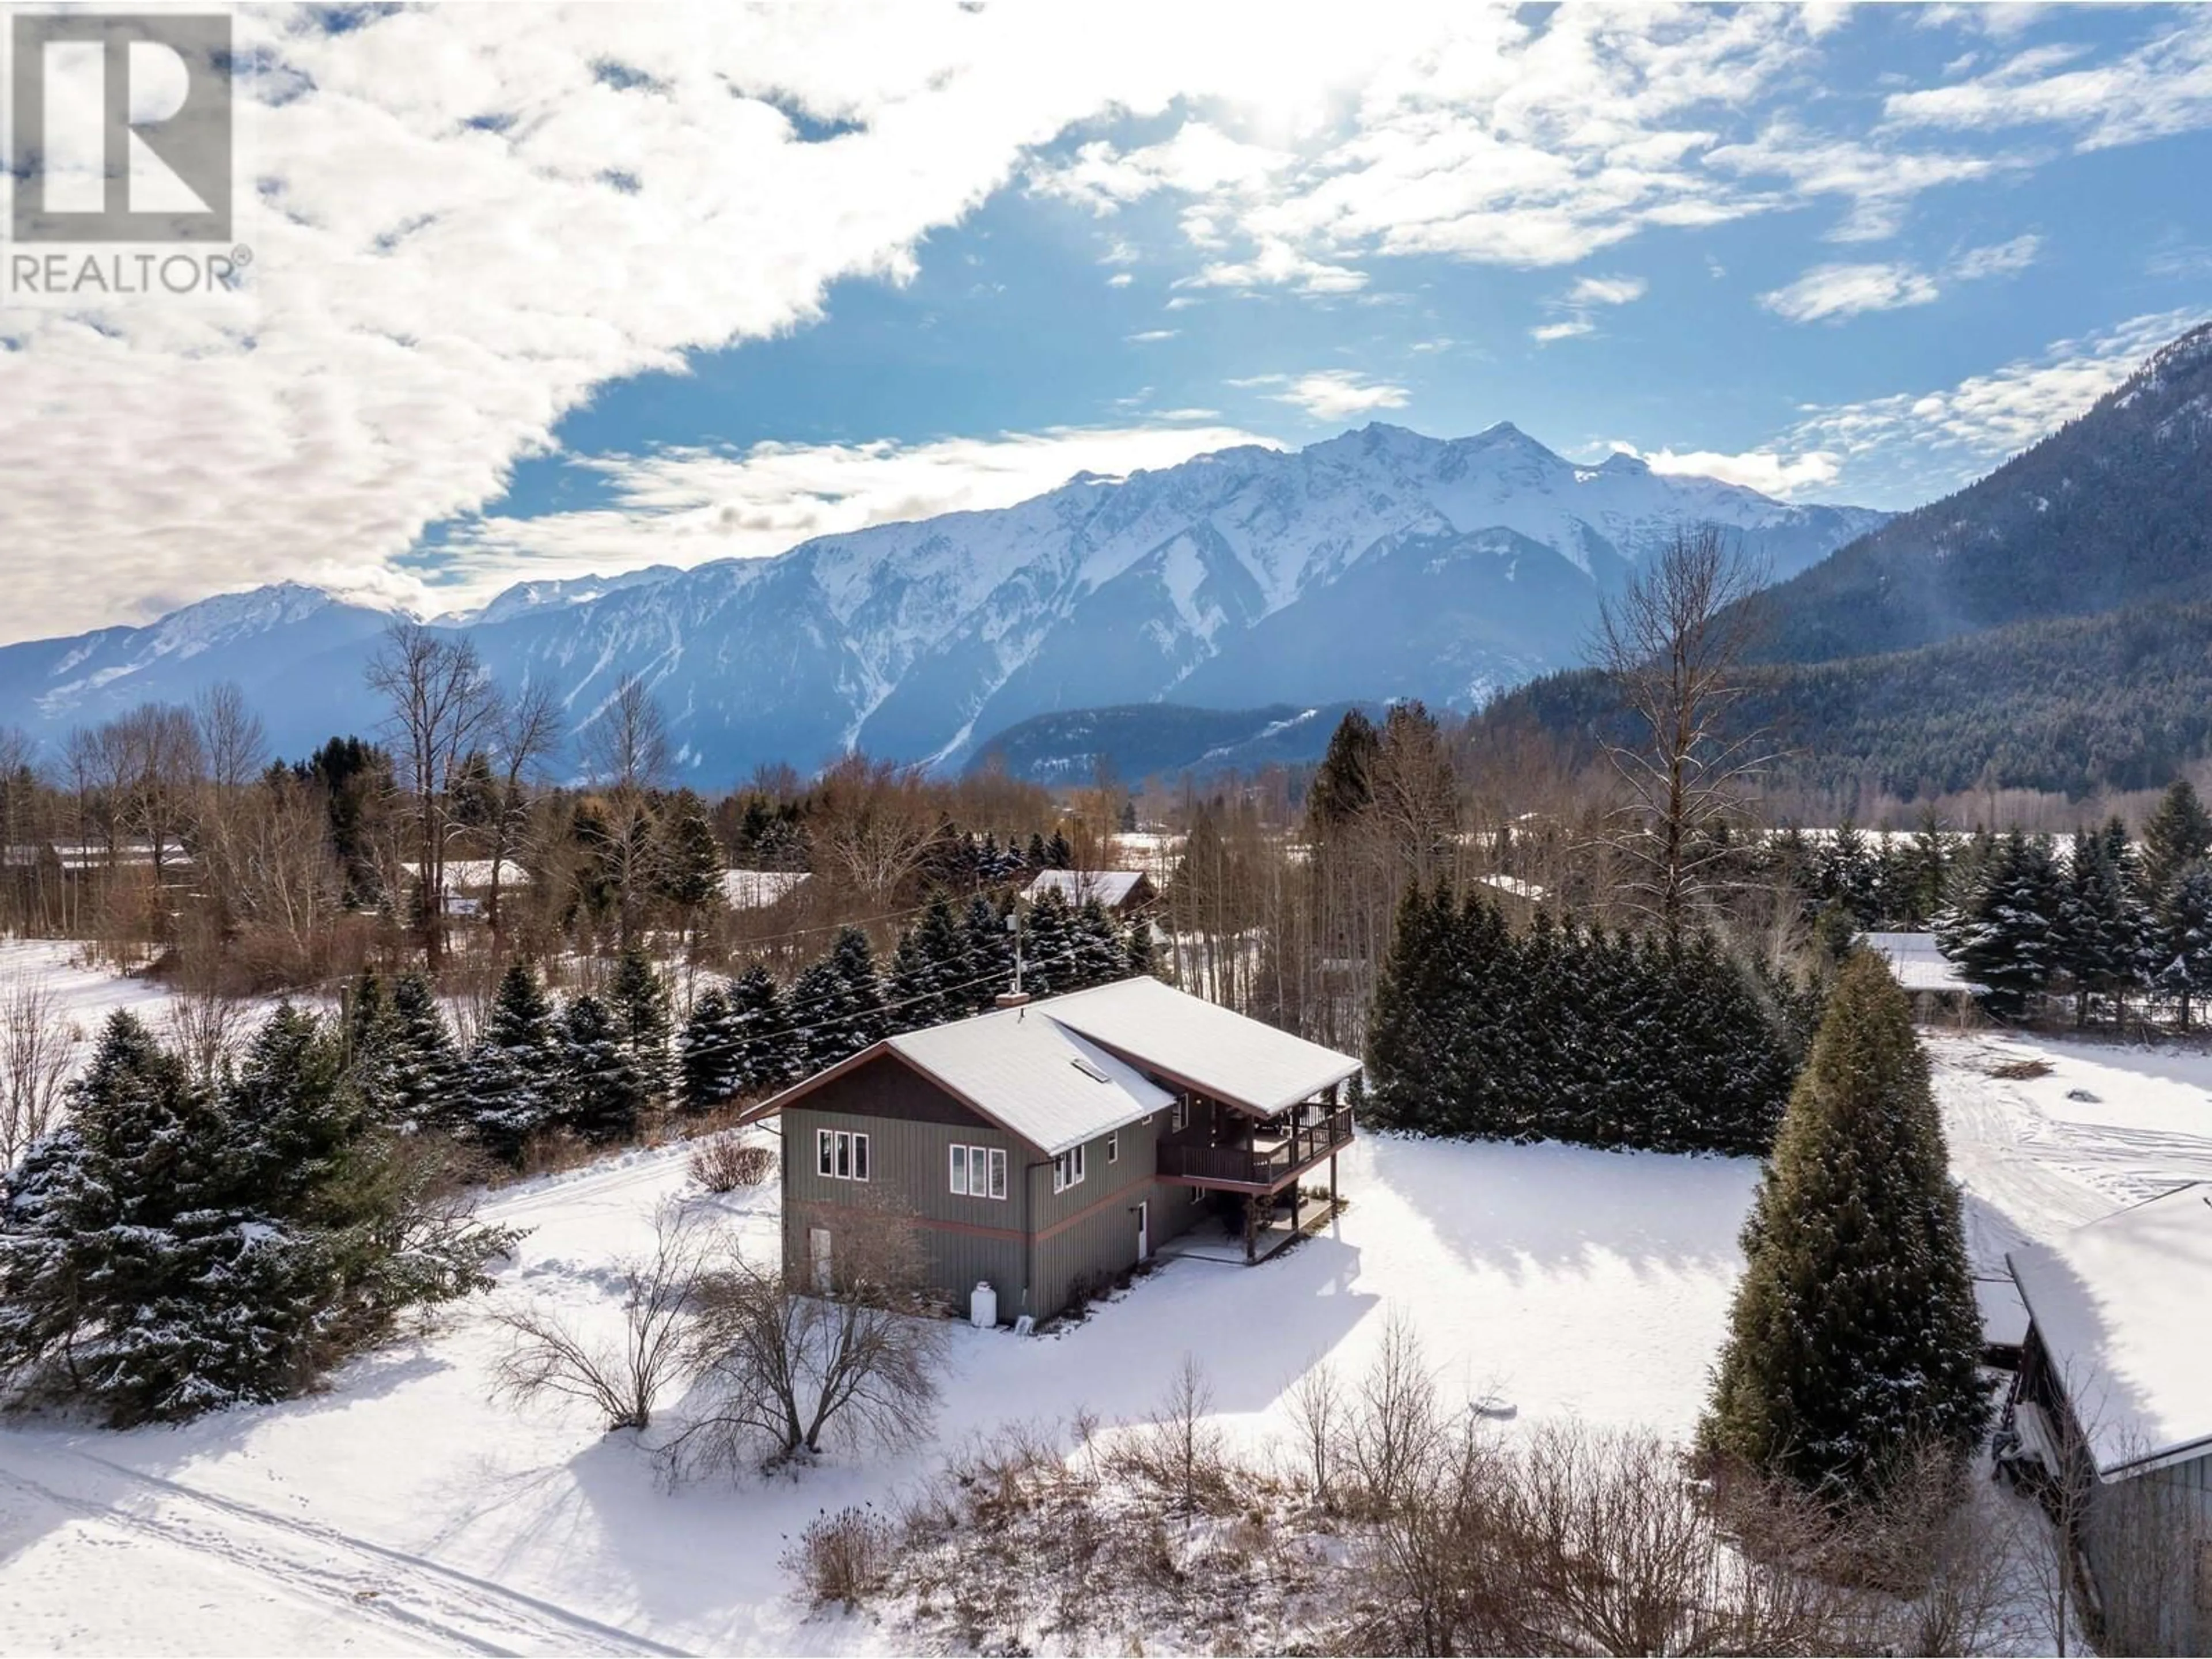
537	291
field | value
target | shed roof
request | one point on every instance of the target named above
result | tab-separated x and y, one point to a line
2119	1305
1108	887
1918	963
1023	1069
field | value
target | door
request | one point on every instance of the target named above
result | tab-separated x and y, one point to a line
1145	1230
817	1252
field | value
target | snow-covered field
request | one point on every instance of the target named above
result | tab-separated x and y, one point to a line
402	1510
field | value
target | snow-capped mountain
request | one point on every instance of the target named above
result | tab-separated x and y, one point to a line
524	597
1375	565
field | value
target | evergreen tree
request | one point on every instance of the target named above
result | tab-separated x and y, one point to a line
639	1002
688	868
837	1003
2184	934
510	1092
926	969
766	1052
707	1065
604	1091
1048	945
988	964
1343	788
1058	854
2100	936
856	962
2006	934
421	1073
1100	958
1142	951
2177	835
1854	1341
1410	1031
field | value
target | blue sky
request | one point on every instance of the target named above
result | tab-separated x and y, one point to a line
538	292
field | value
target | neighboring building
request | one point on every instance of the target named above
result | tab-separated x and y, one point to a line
2111	1414
467	880
1927	976
1054	1145
1123	891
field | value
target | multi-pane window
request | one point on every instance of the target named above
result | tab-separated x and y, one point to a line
1179	1114
1067	1169
841	1155
1114	1146
979	1172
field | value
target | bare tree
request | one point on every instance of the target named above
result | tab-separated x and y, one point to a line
36	1038
1180	1454
788	1368
621	1380
207	1027
872	821
1673	642
527	734
231	736
626	742
1317	1412
440	706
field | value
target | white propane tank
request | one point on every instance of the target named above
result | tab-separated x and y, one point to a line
983	1306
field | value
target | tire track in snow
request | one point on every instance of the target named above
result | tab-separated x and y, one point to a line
420	1596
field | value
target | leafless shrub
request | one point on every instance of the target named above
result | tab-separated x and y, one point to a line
36	1038
844	1558
1317	1411
2020	1070
208	1028
621	1380
787	1368
1180	1455
1396	1427
723	1162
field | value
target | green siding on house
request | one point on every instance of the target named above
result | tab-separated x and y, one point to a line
1031	1246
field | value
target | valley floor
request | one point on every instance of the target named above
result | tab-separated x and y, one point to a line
402	1511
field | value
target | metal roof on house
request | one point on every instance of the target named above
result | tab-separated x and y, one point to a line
1108	887
2120	1307
1214	1049
1916	963
1023	1069
1063	1070
758	890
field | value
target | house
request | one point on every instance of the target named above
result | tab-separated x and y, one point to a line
1125	892
466	881
760	890
1054	1144
2111	1414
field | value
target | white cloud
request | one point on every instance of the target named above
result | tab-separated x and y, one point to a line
1330	394
1572	328
1119	279
1936	441
686	505
1278	265
1833	293
1766	471
1148	337
1576	303
2161	88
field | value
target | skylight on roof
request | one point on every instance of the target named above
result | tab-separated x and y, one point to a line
1089	1070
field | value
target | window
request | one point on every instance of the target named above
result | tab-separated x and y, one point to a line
841	1155
1067	1169
1114	1146
1179	1116
979	1172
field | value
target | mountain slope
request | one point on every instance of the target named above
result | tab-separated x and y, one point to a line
2115	508
1136	741
2049	627
1380	563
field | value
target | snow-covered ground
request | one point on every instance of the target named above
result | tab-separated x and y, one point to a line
403	1510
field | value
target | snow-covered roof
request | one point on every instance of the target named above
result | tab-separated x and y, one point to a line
2119	1305
756	890
1022	1068
1064	1070
1108	887
1513	884
1916	962
1214	1049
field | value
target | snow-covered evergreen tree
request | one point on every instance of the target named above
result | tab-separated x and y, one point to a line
1048	945
924	984
2177	835
514	1072
2183	932
707	1066
766	1053
422	1070
1099	956
602	1093
1855	1340
988	963
639	1004
2005	935
1141	951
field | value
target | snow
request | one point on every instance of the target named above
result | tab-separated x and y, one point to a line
402	1510
1026	1070
1108	887
2120	1306
1202	1044
476	873
759	889
88	995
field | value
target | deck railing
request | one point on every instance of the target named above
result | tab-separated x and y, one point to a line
1271	1158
